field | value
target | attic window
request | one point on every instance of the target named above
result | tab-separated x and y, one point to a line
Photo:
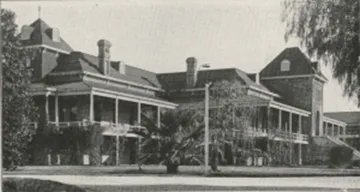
55	34
285	65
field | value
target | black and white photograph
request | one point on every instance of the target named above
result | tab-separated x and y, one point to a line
180	95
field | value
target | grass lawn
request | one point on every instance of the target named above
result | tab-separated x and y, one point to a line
227	171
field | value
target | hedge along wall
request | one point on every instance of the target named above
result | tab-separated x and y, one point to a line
340	156
71	143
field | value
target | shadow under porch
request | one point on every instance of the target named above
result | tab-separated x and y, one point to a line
65	140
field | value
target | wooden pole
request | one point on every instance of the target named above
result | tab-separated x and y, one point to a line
117	151
117	127
57	109
139	124
91	110
47	107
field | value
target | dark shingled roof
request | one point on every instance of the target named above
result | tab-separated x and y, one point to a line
349	117
300	64
177	81
78	61
40	35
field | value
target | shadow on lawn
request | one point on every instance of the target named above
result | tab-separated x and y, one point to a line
229	173
198	188
37	185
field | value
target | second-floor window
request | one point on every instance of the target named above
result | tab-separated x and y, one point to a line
285	65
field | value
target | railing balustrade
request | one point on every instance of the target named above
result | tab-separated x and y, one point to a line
110	128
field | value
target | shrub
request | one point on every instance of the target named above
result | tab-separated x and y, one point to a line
340	156
34	185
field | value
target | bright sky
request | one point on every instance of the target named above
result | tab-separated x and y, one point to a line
158	35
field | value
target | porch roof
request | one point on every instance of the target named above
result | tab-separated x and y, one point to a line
85	87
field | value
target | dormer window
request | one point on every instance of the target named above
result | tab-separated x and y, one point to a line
285	65
55	34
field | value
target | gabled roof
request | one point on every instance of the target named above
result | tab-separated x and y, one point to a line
177	81
349	117
83	62
300	64
40	35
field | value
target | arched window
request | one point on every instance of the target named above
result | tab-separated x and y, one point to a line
285	65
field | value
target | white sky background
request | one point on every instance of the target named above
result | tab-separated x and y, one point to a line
158	35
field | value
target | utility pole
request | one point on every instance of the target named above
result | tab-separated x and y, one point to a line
206	119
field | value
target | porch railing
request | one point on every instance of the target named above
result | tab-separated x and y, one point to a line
110	128
283	135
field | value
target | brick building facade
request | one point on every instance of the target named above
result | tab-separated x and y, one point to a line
72	87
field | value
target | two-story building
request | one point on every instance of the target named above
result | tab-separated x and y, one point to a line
73	88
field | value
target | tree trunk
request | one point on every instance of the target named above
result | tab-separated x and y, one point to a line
214	155
172	168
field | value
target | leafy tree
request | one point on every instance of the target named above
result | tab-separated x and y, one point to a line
329	30
18	107
231	113
176	141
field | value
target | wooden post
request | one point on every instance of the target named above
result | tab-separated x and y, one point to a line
290	122
158	116
47	106
300	154
291	139
139	124
299	149
300	126
117	127
326	129
117	151
159	126
269	129
139	113
279	125
57	109
91	115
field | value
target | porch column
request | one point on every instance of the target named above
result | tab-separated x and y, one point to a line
290	122
91	110
344	130
139	124
158	116
57	109
279	125
139	113
159	125
300	154
47	106
299	149
332	130
117	127
300	128
291	138
47	120
326	129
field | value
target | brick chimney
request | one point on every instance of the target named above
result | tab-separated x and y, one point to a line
191	72
104	56
257	78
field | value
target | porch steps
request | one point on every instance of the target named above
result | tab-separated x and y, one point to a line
325	143
356	153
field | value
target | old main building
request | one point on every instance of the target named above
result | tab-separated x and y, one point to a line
73	87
